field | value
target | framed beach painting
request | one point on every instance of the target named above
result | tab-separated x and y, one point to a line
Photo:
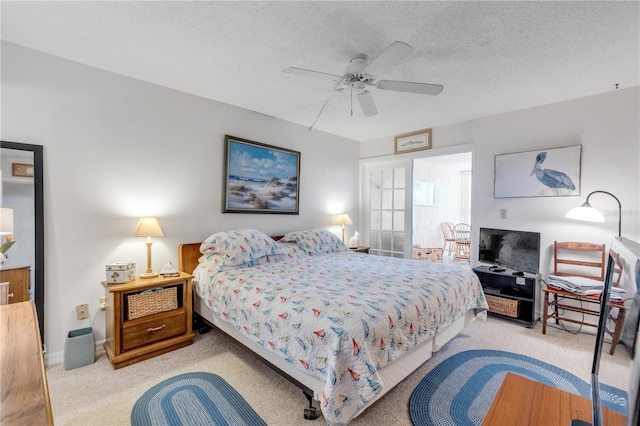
260	178
541	173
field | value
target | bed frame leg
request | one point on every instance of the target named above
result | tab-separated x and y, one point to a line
310	413
200	324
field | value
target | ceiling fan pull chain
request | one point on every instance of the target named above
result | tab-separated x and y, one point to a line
352	100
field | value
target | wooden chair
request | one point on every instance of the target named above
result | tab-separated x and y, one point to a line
449	239
617	310
587	260
462	236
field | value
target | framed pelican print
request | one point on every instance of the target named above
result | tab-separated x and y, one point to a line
553	172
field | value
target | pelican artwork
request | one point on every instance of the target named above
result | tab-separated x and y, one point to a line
551	178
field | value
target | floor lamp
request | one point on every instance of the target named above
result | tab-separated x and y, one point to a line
587	213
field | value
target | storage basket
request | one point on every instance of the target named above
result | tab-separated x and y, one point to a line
503	306
151	302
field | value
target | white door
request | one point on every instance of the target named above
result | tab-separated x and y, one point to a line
387	207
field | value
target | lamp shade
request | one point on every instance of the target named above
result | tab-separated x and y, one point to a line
6	221
343	219
585	212
149	227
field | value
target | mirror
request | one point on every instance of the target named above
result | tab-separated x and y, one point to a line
19	183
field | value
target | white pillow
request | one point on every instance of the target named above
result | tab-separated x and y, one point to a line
316	241
240	246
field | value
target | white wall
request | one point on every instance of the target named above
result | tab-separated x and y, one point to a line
116	149
608	128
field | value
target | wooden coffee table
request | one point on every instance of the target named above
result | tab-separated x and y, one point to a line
521	401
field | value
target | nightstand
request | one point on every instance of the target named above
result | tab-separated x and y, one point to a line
360	249
141	324
19	279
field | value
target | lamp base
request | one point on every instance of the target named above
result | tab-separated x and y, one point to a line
149	275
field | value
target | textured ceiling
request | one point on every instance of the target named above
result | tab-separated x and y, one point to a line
491	57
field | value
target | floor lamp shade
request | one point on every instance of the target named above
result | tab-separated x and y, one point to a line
588	213
149	227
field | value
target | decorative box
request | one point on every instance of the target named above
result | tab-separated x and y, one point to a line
121	272
428	254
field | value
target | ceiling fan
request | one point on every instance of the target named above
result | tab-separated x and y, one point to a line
362	73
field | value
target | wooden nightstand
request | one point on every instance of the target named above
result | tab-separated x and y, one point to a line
19	279
360	249
130	338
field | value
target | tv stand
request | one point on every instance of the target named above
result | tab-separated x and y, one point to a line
510	296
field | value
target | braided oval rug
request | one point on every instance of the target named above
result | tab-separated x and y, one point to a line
460	390
193	399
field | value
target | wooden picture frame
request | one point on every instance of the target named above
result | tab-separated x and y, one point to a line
260	178
553	172
414	141
22	170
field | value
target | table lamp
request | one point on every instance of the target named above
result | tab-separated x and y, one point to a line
149	227
6	221
6	232
343	219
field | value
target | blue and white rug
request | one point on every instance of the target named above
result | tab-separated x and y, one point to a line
193	399
460	390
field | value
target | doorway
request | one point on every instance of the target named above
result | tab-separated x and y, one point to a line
391	223
442	193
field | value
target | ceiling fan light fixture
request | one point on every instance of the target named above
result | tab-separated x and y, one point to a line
357	64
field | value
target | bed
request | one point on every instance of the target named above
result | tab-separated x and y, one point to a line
345	327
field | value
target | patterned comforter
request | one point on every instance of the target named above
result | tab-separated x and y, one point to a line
341	316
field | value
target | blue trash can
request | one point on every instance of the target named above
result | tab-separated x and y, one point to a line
79	348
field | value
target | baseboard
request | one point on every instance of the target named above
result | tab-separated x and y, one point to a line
54	358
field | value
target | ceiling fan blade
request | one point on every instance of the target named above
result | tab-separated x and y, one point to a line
389	57
324	107
411	87
366	103
310	73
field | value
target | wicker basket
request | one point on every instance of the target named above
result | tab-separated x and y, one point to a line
151	302
503	306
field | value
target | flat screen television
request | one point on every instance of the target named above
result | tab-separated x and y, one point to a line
516	250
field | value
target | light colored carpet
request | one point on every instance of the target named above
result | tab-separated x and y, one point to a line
98	395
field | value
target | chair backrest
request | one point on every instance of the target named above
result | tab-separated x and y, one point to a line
447	230
617	269
462	231
579	259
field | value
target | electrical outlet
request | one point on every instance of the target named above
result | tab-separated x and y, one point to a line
82	311
503	213
103	303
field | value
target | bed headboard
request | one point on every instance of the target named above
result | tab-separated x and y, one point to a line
189	253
